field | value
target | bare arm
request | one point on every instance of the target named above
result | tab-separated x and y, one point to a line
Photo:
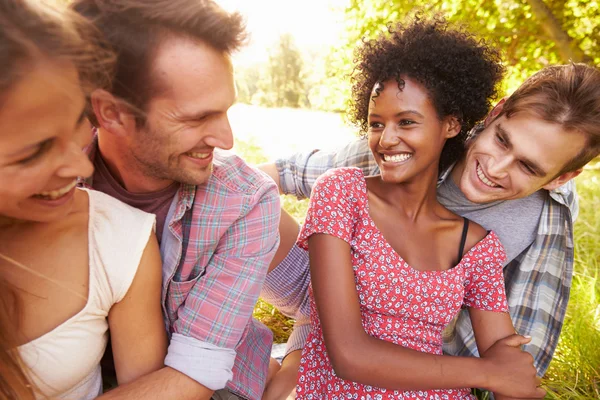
166	383
138	336
284	382
494	327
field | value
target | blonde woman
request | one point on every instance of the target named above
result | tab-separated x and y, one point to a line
73	263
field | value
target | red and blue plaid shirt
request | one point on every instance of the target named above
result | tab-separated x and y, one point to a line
218	241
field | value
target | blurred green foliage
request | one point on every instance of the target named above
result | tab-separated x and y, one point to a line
278	83
530	33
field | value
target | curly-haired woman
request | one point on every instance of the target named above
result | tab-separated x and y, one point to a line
390	266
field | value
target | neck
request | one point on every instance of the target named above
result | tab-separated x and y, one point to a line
125	168
415	198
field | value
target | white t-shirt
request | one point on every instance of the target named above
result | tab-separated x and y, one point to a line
65	362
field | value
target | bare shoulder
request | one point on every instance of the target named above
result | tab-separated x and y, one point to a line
475	234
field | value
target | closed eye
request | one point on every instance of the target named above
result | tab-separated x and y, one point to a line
527	168
42	148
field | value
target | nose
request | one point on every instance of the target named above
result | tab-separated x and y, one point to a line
220	135
389	137
75	162
497	167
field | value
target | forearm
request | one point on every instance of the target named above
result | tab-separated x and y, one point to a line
166	383
489	327
284	382
383	364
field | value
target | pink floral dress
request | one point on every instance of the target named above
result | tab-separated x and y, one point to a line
398	303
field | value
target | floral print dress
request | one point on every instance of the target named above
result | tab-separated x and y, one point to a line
398	303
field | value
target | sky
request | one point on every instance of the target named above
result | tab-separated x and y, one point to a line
315	24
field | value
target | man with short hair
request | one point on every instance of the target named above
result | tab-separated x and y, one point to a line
515	178
159	128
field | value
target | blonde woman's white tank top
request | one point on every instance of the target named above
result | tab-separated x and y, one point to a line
65	362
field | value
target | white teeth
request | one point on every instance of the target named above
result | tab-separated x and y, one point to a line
55	194
396	157
483	178
199	155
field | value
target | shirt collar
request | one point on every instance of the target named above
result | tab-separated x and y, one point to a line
444	175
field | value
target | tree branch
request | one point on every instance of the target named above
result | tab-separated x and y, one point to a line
567	48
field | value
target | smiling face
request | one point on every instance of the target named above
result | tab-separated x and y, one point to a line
43	130
515	157
188	119
406	135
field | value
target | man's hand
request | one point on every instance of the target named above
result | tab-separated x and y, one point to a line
511	370
283	384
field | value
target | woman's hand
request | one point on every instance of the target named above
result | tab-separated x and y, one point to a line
511	369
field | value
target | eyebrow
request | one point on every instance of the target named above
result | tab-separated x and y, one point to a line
199	115
196	116
535	167
402	113
30	147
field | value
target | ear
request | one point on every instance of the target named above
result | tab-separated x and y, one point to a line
494	113
562	179
111	114
452	127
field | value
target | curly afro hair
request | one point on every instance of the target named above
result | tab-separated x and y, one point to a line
460	71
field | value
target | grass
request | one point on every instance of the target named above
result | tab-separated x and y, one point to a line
575	370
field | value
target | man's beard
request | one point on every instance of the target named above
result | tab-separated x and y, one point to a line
149	161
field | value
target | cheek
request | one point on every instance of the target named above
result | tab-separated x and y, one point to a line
192	137
25	181
19	187
482	142
524	185
373	140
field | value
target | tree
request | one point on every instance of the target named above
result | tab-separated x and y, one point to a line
283	83
531	33
246	80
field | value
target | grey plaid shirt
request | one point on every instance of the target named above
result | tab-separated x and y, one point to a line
538	280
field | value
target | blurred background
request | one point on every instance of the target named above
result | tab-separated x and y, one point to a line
293	86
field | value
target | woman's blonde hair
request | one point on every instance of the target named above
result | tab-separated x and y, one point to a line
46	30
34	31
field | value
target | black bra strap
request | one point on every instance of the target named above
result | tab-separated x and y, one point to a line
463	239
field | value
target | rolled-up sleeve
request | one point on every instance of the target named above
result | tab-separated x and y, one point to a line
214	317
203	362
298	173
298	337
